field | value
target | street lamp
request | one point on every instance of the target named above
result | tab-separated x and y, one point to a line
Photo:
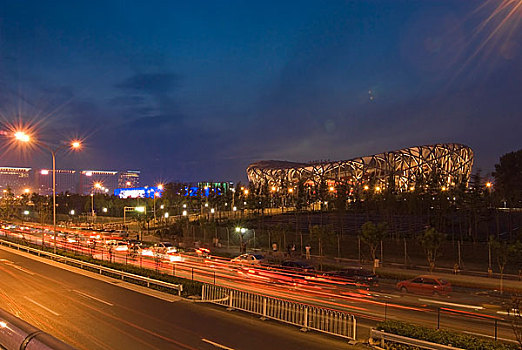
75	144
26	213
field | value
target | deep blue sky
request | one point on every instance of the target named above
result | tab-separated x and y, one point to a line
197	90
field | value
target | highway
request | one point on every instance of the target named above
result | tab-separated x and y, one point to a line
92	314
462	311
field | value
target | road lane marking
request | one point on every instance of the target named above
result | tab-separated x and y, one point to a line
216	344
23	270
91	297
476	307
43	307
13	264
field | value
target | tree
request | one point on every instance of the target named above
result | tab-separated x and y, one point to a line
503	251
372	235
508	177
323	235
431	241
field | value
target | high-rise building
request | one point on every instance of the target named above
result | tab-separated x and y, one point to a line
66	181
16	179
129	178
107	179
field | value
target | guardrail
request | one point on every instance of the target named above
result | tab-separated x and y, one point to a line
308	317
16	334
382	337
100	269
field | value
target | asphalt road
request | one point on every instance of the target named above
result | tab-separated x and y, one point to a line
91	314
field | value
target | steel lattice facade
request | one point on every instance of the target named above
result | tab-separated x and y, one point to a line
403	169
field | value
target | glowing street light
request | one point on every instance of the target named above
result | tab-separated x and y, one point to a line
26	212
72	212
489	184
24	137
184	213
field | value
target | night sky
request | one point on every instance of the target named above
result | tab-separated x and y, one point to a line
197	90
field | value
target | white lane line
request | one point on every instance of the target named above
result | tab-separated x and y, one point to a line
91	297
43	307
475	307
23	270
216	344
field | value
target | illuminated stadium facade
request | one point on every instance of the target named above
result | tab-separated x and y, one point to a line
449	163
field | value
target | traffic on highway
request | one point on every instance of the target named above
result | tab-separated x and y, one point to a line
425	299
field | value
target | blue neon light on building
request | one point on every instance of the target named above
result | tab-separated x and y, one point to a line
138	192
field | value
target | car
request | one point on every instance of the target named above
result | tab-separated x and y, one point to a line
425	284
300	266
118	246
164	248
198	252
354	275
250	259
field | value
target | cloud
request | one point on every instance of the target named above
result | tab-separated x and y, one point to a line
151	83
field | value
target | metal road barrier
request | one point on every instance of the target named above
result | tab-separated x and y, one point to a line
16	334
381	337
100	269
308	317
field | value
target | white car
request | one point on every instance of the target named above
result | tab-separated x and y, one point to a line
118	246
250	259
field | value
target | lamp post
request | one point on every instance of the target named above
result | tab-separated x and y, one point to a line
26	138
96	185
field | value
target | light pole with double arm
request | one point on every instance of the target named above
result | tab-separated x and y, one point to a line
24	137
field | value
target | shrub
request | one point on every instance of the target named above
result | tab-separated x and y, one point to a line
444	337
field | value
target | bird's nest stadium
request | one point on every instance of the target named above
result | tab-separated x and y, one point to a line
450	163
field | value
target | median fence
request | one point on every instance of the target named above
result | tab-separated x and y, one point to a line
307	317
